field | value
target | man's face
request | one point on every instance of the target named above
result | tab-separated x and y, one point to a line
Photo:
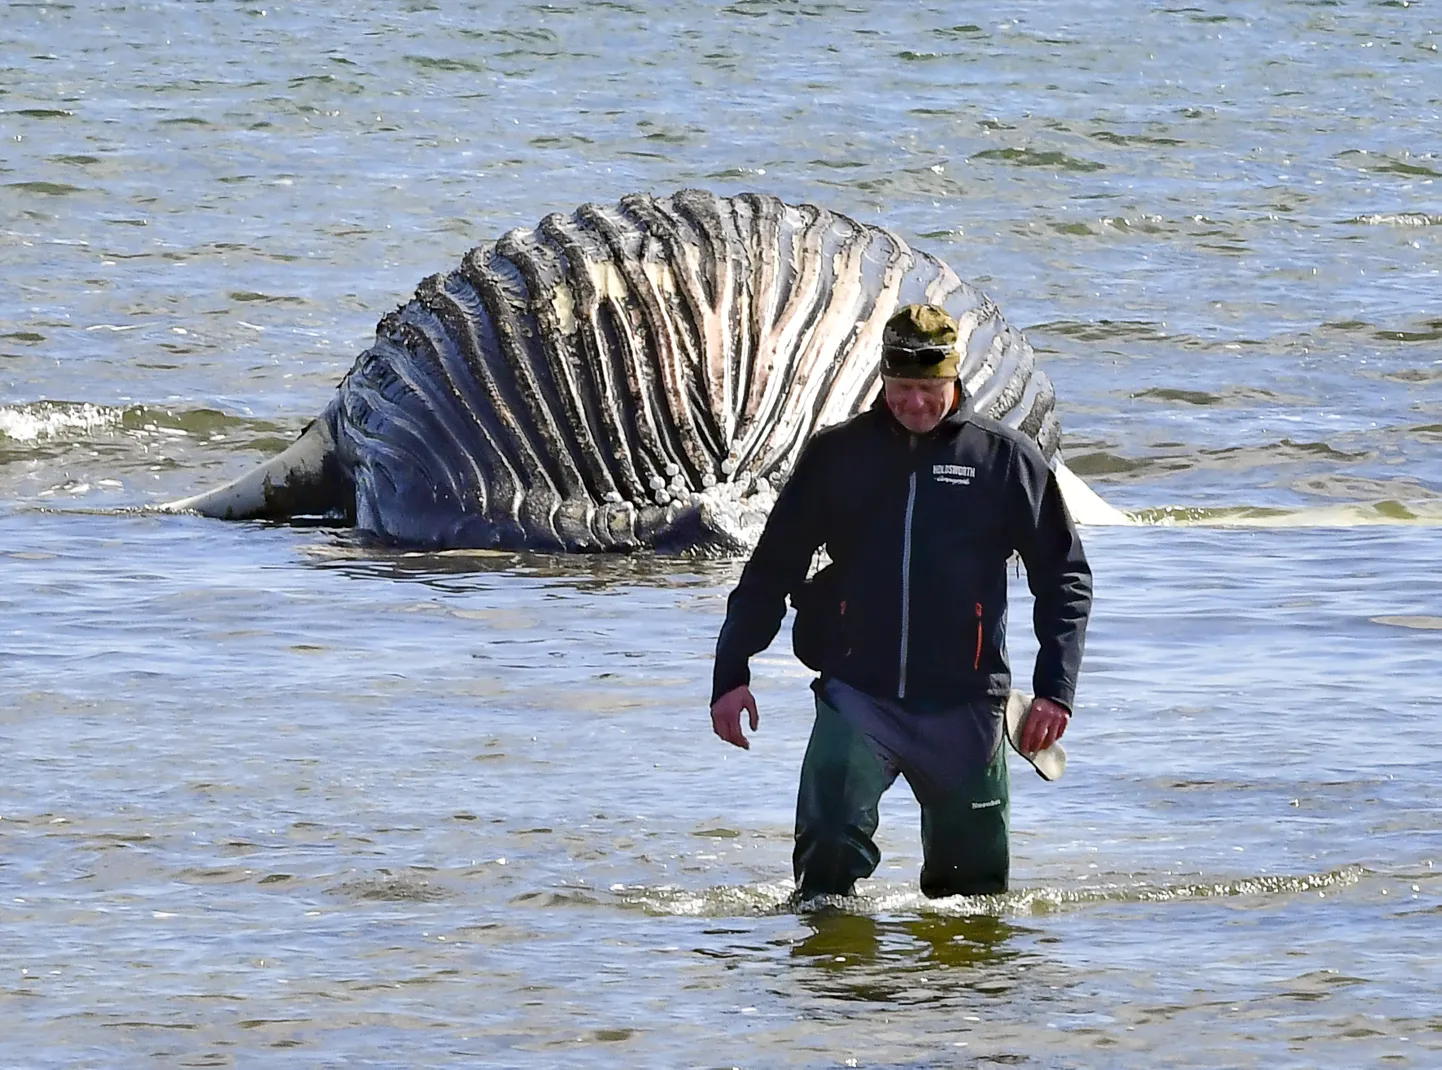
918	404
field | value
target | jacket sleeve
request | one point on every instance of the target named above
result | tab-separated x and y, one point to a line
1057	573
778	565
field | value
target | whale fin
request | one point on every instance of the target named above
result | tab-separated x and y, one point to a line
305	479
1084	504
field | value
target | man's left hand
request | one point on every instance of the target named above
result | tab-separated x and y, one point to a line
1045	724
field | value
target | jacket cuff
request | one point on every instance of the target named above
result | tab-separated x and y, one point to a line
726	680
1059	691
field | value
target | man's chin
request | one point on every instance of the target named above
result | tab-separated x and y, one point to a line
918	427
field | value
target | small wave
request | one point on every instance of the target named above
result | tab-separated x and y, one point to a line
1351	515
446	64
1024	901
1104	330
50	421
46	189
1103	463
1402	167
1202	397
1384	163
1417	622
42	113
1397	219
1430	331
251	297
1144	333
1110	137
1222	458
1031	158
876	898
388	888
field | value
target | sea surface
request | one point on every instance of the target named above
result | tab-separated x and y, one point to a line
272	797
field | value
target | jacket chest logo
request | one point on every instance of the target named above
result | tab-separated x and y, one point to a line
953	473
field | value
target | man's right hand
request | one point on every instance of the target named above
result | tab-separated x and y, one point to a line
726	716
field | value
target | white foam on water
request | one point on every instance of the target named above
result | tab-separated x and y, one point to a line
1400	219
880	897
1343	515
45	419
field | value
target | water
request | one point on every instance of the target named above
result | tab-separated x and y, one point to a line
271	797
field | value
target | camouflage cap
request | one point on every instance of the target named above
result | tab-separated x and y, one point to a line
919	342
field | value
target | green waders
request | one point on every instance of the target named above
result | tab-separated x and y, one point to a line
963	832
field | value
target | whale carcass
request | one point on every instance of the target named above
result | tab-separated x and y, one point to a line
628	376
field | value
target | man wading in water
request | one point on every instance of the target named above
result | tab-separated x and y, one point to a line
919	507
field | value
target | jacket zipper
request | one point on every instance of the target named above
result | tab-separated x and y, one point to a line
976	662
906	586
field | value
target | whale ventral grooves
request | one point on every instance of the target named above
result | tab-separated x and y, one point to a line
623	377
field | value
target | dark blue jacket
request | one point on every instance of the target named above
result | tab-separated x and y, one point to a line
921	528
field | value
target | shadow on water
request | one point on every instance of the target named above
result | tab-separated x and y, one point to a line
924	959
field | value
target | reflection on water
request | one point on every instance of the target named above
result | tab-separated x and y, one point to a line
351	553
900	960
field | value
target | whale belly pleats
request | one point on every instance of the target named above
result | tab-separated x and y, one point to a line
631	375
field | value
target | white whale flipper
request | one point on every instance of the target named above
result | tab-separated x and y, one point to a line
1084	504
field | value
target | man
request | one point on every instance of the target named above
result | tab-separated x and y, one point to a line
919	506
